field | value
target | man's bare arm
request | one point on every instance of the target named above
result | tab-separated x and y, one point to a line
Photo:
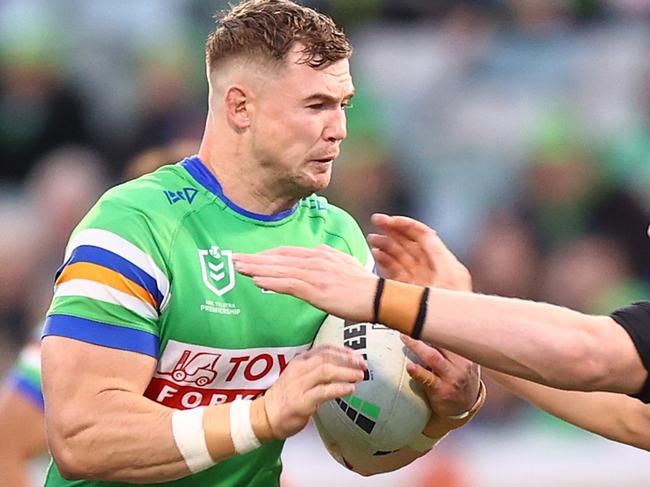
614	416
100	426
537	341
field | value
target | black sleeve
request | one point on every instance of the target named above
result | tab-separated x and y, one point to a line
635	319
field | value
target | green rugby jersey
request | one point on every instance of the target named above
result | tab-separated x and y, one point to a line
150	270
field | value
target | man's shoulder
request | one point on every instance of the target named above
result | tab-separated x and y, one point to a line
152	189
153	204
163	192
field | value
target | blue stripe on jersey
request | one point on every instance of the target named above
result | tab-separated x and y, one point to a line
204	176
60	270
104	334
27	389
113	261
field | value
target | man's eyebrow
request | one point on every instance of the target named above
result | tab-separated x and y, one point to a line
328	98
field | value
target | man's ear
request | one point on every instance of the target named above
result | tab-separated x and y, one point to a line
238	106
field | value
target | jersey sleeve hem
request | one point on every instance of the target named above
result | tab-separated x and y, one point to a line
103	334
635	320
27	389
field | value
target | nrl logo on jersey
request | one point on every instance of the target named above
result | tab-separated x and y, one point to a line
217	269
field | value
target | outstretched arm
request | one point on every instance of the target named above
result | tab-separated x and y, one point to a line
536	341
426	261
614	416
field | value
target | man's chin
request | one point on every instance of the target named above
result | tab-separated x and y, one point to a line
319	184
313	183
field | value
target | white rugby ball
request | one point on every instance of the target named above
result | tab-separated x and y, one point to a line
388	409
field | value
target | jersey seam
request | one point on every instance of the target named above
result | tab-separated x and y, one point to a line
177	230
347	244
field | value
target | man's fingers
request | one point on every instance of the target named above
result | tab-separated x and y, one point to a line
414	231
292	257
326	392
405	252
428	355
288	251
285	252
285	267
407	227
380	219
425	377
284	285
387	245
330	373
387	266
337	355
327	252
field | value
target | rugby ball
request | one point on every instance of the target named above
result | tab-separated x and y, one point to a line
388	409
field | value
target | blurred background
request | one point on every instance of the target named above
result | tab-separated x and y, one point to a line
519	129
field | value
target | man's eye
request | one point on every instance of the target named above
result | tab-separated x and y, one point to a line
347	105
316	106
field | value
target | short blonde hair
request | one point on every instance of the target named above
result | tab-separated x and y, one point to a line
267	29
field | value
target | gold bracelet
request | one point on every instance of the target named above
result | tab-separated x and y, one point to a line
438	427
467	415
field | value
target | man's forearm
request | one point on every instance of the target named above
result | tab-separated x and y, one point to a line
128	438
120	436
532	340
614	416
536	341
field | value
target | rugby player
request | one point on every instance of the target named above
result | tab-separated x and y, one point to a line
161	364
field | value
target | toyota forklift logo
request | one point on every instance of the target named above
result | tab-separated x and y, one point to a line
199	369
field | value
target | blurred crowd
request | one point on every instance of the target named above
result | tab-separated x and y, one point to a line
519	129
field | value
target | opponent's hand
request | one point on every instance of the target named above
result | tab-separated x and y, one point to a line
412	252
328	279
311	378
450	381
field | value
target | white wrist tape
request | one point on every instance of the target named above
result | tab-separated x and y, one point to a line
187	428
241	428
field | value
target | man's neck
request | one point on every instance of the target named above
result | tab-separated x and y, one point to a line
247	187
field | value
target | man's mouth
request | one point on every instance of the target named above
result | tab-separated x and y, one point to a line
329	158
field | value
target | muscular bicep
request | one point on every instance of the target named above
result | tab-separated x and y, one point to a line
66	359
93	396
76	372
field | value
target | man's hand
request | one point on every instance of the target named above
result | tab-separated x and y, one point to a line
450	381
310	379
327	278
412	252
